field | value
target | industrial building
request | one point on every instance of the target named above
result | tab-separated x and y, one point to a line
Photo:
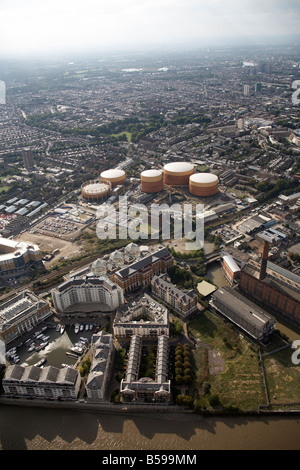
152	181
184	303
178	173
203	184
48	383
95	191
140	273
87	294
145	318
273	287
230	269
17	258
99	374
114	176
146	389
243	313
20	314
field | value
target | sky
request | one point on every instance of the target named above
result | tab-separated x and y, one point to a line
53	26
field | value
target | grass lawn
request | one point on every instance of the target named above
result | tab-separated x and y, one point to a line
128	135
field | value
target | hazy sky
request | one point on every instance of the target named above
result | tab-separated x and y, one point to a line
30	26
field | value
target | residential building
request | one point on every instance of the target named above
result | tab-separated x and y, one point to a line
184	303
102	348
20	314
87	294
17	258
140	273
27	158
146	389
145	318
48	383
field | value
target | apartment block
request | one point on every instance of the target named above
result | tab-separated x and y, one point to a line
184	303
140	273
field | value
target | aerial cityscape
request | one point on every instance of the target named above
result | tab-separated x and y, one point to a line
106	305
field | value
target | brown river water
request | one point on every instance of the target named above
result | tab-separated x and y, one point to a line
45	429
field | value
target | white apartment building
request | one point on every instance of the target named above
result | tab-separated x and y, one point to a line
88	293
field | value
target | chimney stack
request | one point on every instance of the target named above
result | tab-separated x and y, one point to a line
264	260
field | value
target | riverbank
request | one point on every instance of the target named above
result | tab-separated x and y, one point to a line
140	409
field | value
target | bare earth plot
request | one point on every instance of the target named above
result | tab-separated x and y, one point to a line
48	244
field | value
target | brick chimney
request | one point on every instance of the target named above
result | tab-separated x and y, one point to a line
264	260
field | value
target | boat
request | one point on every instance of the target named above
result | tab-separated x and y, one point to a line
38	348
16	359
41	362
62	329
81	327
76	327
91	326
77	350
31	348
58	327
44	328
44	344
85	340
71	355
86	327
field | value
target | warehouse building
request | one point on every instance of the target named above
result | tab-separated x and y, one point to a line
242	312
230	269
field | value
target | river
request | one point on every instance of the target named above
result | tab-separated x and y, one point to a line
45	429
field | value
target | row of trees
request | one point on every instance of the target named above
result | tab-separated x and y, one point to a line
183	365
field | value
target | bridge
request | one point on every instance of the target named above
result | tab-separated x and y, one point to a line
212	257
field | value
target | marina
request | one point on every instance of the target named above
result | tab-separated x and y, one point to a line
60	345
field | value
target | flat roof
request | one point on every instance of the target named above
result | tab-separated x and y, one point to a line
206	288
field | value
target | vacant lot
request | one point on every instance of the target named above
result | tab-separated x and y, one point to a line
238	381
227	362
48	244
